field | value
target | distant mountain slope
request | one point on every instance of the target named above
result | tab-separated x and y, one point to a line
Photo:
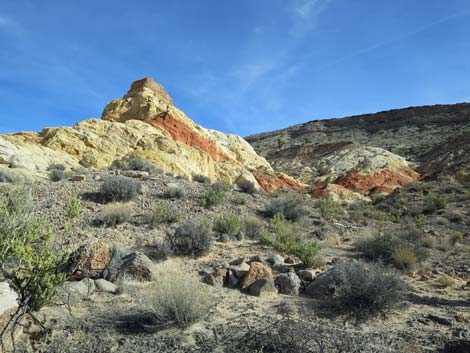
434	138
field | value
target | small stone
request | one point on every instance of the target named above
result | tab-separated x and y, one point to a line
307	275
263	287
241	270
440	320
224	238
105	286
275	260
83	288
288	283
137	174
231	280
290	260
216	278
78	177
257	271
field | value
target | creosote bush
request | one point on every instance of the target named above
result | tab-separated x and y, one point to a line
402	248
190	239
30	260
136	163
119	189
328	208
290	208
178	298
363	290
214	195
8	176
174	191
115	213
161	213
435	203
247	186
73	208
56	174
229	224
285	236
201	179
252	227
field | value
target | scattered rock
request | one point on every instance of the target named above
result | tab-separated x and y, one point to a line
307	275
78	177
321	287
7	298
89	260
288	283
238	261
275	260
138	266
231	279
137	174
241	270
440	320
216	278
263	287
257	271
289	260
105	286
83	288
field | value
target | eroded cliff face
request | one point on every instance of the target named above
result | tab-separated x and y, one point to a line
144	123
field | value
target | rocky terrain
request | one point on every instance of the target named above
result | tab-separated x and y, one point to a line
431	140
145	232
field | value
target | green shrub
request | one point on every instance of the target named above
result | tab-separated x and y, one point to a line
201	179
115	213
252	227
247	186
290	208
456	237
56	174
178	298
285	237
30	261
190	239
373	213
436	202
119	189
363	290
229	224
239	200
399	248
73	208
8	176
136	163
213	196
56	166
161	213
328	208
174	191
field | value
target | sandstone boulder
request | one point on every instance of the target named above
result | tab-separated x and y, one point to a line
257	271
137	266
89	260
263	287
288	283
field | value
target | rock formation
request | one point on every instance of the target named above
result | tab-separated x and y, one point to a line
144	123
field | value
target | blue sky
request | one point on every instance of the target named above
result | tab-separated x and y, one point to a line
242	66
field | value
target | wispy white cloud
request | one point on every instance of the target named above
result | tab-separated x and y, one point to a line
305	13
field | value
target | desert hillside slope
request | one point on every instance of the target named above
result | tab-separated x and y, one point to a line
432	140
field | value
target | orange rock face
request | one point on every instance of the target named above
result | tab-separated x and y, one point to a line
271	183
380	181
182	133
